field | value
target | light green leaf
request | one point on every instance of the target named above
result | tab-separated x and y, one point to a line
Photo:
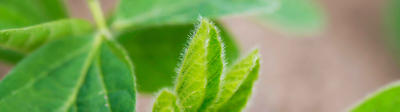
156	55
238	101
192	79
301	17
165	102
162	12
72	74
22	13
25	40
215	67
234	78
386	99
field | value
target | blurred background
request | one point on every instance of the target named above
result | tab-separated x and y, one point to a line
326	71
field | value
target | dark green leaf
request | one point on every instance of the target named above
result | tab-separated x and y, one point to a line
392	29
142	13
73	74
384	100
165	102
295	16
155	53
10	56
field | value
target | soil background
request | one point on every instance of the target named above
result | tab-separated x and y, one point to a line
328	72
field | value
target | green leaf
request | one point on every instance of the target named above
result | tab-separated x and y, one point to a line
234	85
384	100
10	56
25	40
392	27
155	55
22	13
165	102
72	74
215	67
162	12
238	101
295	16
192	78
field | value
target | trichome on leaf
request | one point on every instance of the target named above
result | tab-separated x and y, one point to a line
202	82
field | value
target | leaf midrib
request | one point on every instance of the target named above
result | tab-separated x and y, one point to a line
96	45
103	84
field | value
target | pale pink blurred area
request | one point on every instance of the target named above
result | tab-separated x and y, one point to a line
327	72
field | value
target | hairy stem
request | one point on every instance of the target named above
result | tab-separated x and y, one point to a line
98	17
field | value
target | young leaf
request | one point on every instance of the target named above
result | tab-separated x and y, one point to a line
71	74
156	56
384	100
215	67
295	16
25	40
238	101
235	78
165	102
191	81
22	13
161	12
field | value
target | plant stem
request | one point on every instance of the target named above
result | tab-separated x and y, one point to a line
98	17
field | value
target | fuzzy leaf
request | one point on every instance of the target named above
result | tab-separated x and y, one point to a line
22	13
156	56
191	83
162	12
384	100
165	102
25	40
72	74
238	101
215	67
295	16
235	77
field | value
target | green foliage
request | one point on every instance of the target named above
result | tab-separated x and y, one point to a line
165	102
83	73
25	40
22	13
63	65
156	55
191	82
201	84
162	12
384	100
295	16
241	96
235	82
